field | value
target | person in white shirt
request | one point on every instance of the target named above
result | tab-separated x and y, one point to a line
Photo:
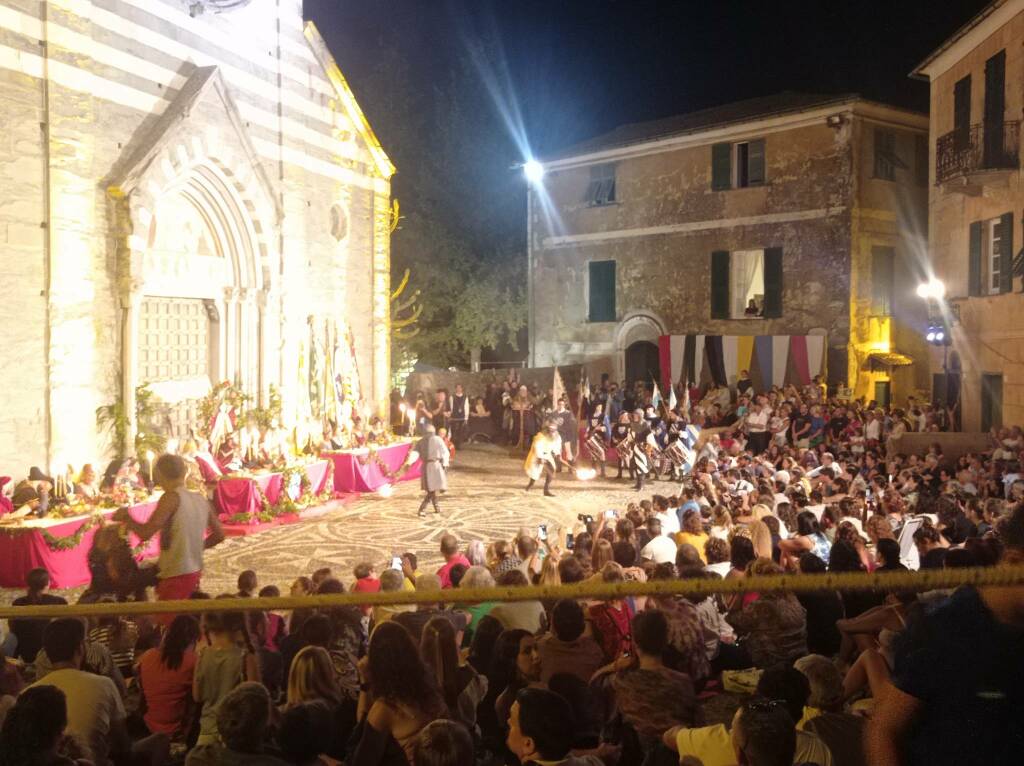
667	516
661	549
757	428
96	714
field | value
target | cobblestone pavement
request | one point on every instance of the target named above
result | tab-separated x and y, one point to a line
485	501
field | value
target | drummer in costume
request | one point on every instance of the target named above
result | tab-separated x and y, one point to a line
622	438
597	439
434	454
569	432
644	448
543	456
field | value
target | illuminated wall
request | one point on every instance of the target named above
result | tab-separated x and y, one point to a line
246	112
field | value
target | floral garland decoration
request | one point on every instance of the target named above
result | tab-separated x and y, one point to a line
285	505
377	460
72	541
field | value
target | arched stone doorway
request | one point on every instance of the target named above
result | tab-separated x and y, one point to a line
636	346
642	363
200	303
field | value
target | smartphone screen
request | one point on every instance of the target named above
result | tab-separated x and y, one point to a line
542	532
396	563
569	540
609	514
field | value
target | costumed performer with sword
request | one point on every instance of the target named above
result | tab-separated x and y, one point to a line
543	456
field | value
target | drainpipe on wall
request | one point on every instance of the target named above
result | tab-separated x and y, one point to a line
532	359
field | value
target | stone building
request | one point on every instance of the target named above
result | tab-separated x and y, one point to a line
975	203
778	233
189	194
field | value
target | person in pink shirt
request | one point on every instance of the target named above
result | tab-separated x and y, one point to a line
450	551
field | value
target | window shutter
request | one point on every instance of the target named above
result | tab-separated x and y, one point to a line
772	283
755	160
602	291
721	167
974	262
962	113
720	284
995	108
1006	253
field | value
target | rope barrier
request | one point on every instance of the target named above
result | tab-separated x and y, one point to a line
930	579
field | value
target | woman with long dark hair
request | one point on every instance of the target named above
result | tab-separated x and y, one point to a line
398	696
165	676
808	539
461	686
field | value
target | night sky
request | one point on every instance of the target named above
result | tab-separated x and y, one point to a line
577	68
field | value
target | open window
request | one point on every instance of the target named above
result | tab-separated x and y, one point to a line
746	284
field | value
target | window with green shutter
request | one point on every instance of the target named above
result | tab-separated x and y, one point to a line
885	154
720	284
974	259
883	262
772	283
602	291
721	167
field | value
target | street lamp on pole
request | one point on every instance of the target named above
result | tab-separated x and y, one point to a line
933	292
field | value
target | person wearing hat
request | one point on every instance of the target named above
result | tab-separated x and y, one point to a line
543	456
434	478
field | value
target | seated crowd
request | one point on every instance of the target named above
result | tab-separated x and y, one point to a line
625	681
823	677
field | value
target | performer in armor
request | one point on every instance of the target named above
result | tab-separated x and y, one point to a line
434	454
622	439
569	432
543	456
597	436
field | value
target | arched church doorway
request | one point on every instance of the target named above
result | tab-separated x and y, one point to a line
642	363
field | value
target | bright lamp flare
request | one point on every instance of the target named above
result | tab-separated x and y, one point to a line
533	171
585	474
933	288
386	491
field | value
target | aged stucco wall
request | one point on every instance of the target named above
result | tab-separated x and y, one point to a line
803	208
989	338
818	203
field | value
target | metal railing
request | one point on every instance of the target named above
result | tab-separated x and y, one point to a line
984	146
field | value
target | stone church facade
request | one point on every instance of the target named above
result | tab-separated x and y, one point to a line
190	194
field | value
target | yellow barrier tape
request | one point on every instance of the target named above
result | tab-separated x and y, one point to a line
930	579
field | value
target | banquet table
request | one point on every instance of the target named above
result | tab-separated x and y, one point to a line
23	547
356	470
234	495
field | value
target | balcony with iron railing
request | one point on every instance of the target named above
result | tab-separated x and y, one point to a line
983	149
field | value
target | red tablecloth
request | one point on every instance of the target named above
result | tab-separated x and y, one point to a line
239	495
25	549
356	471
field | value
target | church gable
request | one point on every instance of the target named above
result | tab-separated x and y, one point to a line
347	104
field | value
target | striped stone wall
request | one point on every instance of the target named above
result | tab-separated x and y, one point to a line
83	83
